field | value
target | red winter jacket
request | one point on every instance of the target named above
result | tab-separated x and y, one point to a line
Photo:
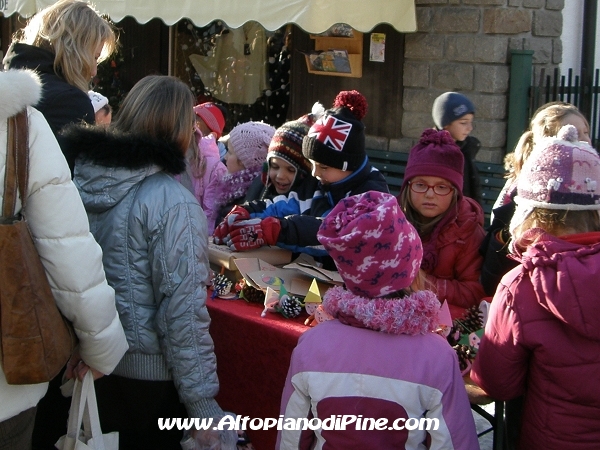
455	273
542	339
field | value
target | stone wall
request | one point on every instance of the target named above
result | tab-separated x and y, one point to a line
464	45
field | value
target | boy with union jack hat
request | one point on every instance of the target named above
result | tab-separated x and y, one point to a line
335	146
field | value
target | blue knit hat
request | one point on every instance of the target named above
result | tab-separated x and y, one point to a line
449	107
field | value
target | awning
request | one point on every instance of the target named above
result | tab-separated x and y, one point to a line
313	16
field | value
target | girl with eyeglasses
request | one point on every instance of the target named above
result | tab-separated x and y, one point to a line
449	224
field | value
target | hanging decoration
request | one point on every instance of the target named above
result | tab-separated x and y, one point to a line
246	70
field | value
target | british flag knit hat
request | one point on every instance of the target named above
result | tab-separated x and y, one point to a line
337	139
375	249
560	173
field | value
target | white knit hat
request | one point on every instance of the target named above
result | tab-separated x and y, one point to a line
250	141
99	101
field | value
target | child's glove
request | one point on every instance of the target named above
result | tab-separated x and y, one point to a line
253	233
237	213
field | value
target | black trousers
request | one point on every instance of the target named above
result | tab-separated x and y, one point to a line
133	407
52	416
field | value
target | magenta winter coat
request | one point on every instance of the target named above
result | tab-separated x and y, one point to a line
542	339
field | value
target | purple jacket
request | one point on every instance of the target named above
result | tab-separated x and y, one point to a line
338	369
542	339
206	187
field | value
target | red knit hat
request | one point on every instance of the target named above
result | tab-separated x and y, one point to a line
212	117
375	249
436	155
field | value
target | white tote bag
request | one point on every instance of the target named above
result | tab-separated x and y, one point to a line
84	411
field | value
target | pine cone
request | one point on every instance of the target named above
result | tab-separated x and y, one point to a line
251	294
472	320
464	356
221	285
290	306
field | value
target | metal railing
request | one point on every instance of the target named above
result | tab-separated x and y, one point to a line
570	88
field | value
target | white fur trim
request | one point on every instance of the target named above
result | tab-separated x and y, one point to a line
18	89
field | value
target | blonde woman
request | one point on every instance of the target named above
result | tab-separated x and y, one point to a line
64	44
154	237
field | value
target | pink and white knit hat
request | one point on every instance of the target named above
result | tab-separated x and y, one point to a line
561	173
375	249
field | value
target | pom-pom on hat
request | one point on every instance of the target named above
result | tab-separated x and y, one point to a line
287	143
337	139
249	141
212	117
560	173
449	107
436	155
98	100
375	249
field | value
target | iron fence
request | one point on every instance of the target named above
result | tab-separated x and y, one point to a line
579	90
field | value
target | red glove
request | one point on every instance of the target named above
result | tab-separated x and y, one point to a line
253	233
237	213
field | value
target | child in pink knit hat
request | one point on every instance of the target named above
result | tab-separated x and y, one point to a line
379	359
542	337
204	167
449	224
247	148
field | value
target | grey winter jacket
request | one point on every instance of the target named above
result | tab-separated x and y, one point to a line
154	237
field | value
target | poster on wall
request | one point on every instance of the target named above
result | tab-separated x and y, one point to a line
377	49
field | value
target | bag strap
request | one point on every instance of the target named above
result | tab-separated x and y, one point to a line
17	163
84	412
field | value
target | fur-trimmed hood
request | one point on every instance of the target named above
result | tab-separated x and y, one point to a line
109	164
110	148
18	89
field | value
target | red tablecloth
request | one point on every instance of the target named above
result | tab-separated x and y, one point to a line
253	355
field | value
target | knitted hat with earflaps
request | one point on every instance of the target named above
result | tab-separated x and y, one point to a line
560	173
